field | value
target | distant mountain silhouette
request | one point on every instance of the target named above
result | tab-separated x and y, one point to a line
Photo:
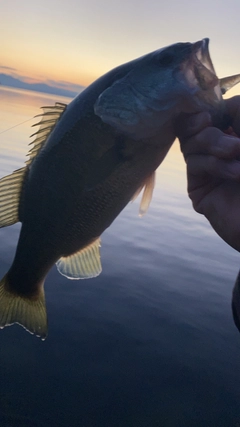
8	80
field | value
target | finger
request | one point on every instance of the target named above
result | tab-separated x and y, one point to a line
189	125
212	141
198	165
233	110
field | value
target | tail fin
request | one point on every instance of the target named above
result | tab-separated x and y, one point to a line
29	313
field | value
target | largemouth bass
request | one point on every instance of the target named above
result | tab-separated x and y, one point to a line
88	160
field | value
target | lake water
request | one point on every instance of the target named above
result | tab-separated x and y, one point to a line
149	343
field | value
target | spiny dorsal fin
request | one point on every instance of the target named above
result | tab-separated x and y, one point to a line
11	185
50	117
84	264
148	186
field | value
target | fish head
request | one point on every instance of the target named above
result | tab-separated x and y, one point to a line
160	86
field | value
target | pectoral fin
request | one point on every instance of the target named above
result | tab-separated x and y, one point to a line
228	82
84	264
148	186
147	194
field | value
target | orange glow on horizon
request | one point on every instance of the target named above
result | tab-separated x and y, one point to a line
81	71
32	74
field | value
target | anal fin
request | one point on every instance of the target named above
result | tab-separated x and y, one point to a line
83	264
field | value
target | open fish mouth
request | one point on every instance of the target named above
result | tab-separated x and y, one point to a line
201	50
203	66
198	74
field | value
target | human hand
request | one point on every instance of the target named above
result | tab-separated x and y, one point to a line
213	170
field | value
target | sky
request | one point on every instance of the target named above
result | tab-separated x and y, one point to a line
76	41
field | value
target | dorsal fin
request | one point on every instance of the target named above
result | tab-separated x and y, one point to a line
11	185
148	186
50	117
10	192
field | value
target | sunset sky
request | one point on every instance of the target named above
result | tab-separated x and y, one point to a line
78	40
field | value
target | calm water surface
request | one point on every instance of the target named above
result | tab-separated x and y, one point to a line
151	341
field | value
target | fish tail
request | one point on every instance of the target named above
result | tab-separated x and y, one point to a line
28	312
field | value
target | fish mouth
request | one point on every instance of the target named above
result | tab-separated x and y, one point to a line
203	67
201	51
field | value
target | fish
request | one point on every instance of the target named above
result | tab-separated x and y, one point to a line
88	160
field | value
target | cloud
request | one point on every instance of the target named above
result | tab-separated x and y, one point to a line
64	86
23	82
4	67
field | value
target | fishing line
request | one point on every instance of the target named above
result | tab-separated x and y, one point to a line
19	124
